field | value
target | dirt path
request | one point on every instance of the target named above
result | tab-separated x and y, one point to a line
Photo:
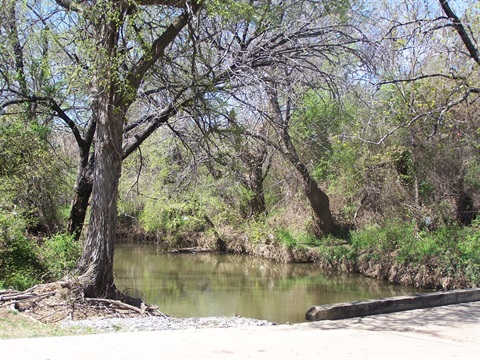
437	333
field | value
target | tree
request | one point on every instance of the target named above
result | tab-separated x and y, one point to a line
422	82
112	100
303	50
318	199
113	73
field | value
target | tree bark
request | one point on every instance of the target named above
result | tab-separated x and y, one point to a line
96	265
256	203
319	201
81	197
254	179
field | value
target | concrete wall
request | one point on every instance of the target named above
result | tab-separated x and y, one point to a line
388	305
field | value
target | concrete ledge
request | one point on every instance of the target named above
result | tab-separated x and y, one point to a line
389	305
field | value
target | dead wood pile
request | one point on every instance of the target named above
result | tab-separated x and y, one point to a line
64	300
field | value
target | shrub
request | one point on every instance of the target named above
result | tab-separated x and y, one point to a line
20	266
285	237
24	263
60	254
171	216
386	238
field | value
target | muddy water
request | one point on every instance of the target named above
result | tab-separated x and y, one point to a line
205	284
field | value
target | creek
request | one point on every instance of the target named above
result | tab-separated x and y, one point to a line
210	284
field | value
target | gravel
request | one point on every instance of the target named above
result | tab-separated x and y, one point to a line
155	323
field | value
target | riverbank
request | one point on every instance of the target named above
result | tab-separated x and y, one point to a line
446	259
436	333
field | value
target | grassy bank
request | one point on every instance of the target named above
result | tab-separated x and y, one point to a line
445	258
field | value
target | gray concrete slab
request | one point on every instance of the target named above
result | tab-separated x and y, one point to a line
393	304
435	333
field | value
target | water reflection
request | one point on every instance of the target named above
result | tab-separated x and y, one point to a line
204	284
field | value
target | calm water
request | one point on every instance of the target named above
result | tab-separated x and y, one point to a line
204	284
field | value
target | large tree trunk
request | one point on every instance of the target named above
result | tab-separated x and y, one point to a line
96	264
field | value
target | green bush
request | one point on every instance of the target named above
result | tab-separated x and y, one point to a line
20	266
32	179
60	254
171	216
24	263
454	248
285	237
386	238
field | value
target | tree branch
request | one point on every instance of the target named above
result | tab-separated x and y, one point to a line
159	45
152	122
70	5
53	105
457	24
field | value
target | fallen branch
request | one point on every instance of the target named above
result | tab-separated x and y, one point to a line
118	304
16	297
51	314
24	296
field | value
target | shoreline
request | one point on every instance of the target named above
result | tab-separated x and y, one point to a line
161	323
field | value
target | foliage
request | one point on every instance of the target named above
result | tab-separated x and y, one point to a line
31	181
60	254
20	265
384	238
456	249
164	216
24	261
285	237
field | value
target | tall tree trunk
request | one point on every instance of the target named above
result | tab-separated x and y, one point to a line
96	264
319	201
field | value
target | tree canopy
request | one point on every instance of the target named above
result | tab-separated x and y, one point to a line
340	112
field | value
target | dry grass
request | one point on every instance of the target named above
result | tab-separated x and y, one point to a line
14	324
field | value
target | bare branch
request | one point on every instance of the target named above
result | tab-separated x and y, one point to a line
457	24
416	78
150	124
159	45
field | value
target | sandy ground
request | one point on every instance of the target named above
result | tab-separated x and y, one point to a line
448	332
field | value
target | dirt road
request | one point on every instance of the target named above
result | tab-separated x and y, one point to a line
448	332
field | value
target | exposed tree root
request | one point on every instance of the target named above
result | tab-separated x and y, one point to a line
54	302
